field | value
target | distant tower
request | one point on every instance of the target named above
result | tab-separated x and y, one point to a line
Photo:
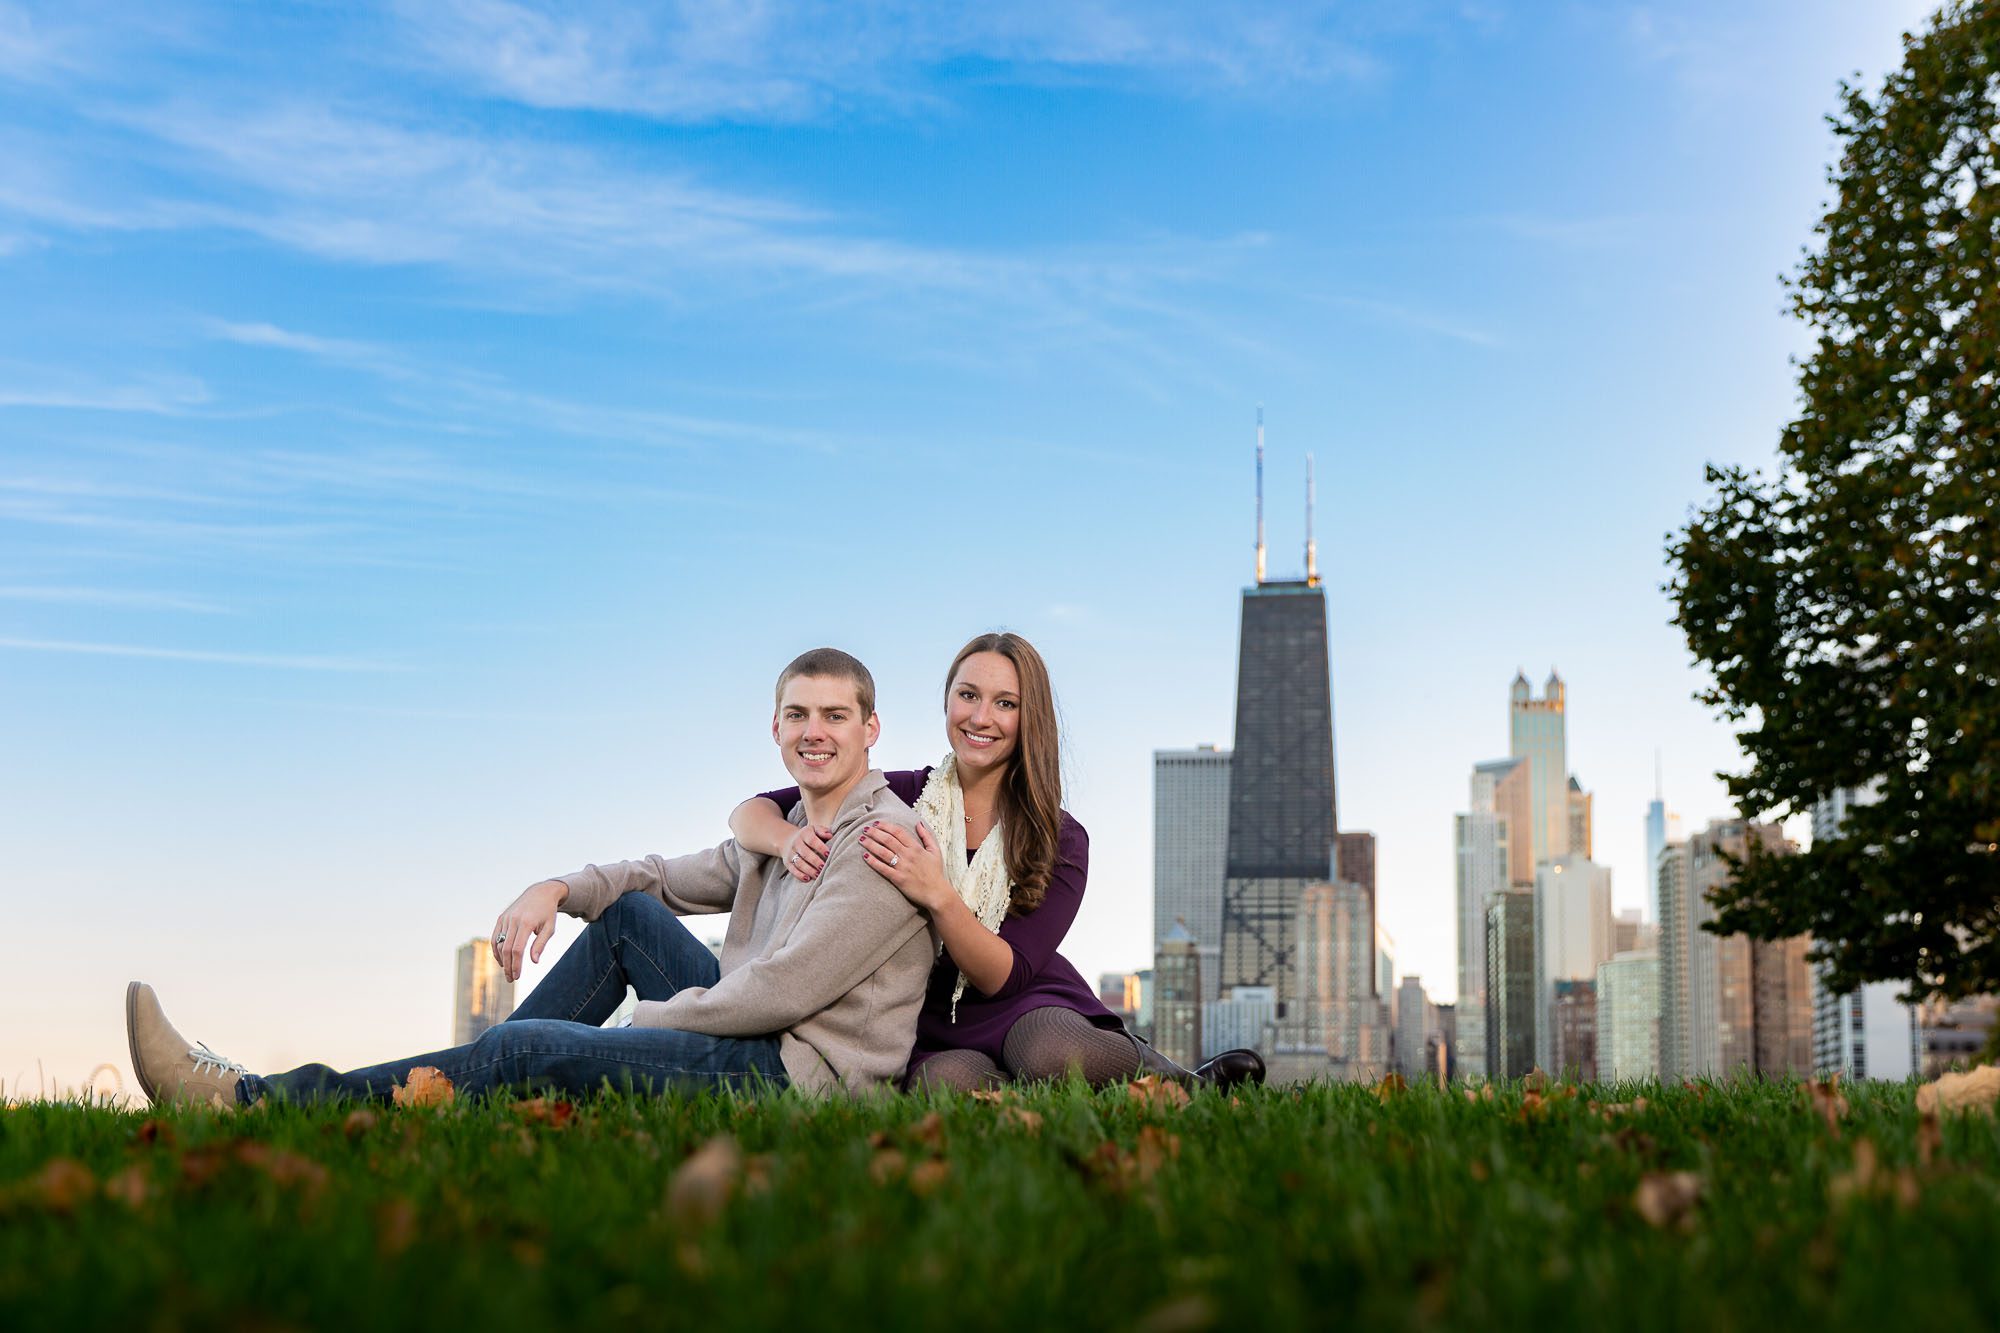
1260	492
1870	1032
1190	839
1177	997
484	995
1537	734
1312	549
1281	784
1656	841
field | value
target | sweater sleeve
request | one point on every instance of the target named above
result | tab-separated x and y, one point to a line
1035	936
691	885
855	924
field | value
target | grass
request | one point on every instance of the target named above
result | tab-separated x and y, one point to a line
1060	1208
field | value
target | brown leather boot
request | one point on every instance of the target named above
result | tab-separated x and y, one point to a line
172	1070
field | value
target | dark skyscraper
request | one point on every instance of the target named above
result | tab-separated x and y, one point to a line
1281	800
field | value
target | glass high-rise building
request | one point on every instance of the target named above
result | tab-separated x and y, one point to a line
1572	910
1190	845
1282	830
1486	865
1177	997
1510	983
1870	1032
1727	1003
483	995
1536	733
1628	1017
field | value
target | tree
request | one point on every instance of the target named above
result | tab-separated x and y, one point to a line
1848	608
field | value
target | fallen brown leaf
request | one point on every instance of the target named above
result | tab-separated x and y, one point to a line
1869	1178
1030	1122
63	1184
1827	1100
542	1111
130	1187
886	1165
359	1121
757	1173
702	1185
425	1086
1973	1090
927	1176
1392	1083
1535	1080
1667	1198
1156	1148
1156	1093
156	1132
1930	1138
929	1131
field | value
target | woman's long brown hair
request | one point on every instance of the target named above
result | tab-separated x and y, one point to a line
1030	802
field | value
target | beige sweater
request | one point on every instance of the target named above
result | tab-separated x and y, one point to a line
836	968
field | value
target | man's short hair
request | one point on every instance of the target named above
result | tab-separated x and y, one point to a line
834	664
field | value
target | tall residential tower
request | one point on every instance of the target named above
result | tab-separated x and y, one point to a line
1190	839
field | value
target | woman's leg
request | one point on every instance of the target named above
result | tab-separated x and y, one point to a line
1052	1042
955	1071
548	1055
638	941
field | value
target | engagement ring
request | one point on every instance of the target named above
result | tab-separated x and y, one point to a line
894	858
501	938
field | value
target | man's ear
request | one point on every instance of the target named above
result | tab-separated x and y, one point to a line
874	732
774	728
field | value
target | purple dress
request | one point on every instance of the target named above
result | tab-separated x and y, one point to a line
1041	976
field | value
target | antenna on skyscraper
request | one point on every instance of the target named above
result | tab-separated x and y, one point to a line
1659	784
1260	493
1312	551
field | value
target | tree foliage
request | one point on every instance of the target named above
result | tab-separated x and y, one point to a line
1848	607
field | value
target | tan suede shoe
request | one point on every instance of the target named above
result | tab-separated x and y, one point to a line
172	1070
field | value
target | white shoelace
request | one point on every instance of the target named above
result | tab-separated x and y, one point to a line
205	1060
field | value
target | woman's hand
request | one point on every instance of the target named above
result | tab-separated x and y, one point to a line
530	916
805	852
911	862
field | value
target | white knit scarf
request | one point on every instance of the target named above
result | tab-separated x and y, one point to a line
983	884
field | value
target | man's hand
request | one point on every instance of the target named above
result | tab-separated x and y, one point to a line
530	916
805	852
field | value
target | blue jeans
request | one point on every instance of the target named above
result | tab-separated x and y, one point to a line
553	1041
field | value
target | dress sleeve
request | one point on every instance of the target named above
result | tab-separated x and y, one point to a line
907	783
1035	936
784	798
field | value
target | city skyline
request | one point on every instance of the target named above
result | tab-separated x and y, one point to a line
422	451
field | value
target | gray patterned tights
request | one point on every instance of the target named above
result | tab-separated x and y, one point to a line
1046	1043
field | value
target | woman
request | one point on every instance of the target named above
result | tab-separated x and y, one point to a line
999	866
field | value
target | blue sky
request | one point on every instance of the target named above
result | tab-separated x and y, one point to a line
426	429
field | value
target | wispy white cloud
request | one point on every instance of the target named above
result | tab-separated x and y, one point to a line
343	351
113	598
762	59
456	395
165	395
274	661
31	47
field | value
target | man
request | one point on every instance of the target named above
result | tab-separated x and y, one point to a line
818	985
